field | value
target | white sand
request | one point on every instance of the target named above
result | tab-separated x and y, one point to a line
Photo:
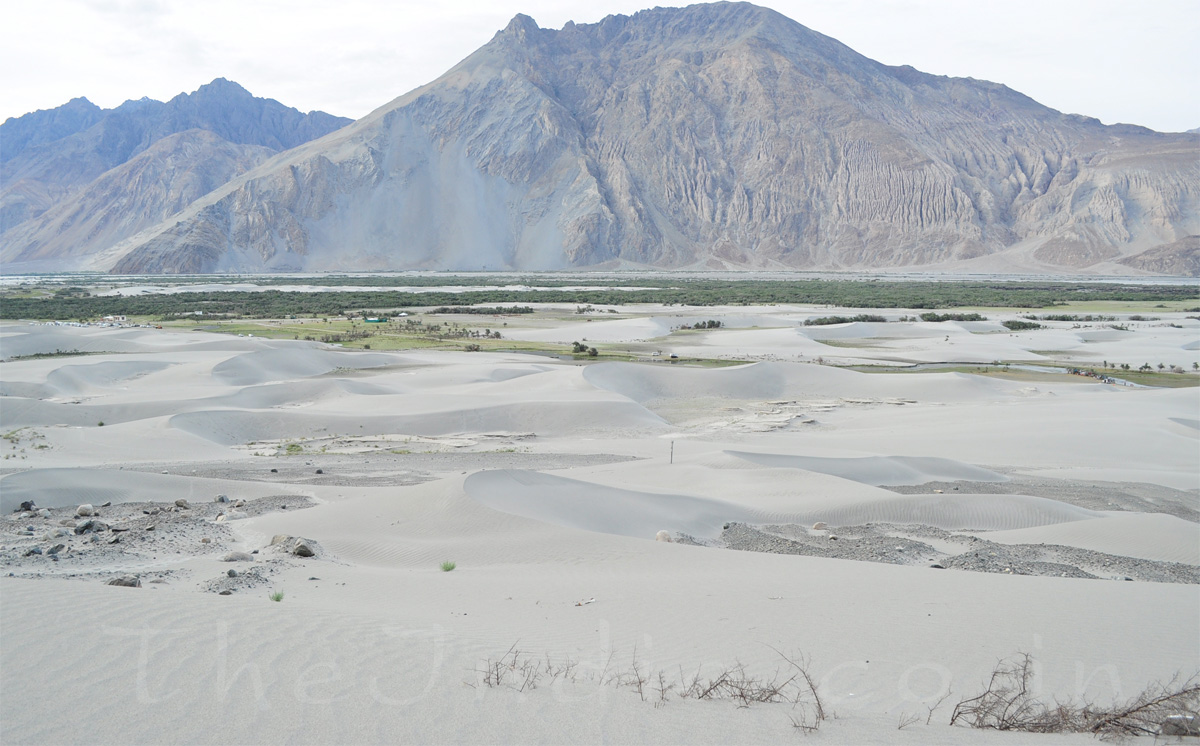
372	643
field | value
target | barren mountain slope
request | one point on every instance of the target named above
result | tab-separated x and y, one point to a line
48	156
709	136
153	185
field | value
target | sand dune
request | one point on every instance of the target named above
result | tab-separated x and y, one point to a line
772	380
568	502
373	643
594	507
880	470
1149	536
231	427
956	512
287	363
51	488
77	379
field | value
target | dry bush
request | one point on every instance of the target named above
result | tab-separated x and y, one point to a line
1007	704
521	672
792	684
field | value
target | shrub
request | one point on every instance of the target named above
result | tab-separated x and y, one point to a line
1008	704
277	596
447	566
938	317
828	320
1020	326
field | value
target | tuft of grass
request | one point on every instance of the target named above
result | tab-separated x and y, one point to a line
277	596
447	566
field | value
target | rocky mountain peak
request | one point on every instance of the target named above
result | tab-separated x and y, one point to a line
219	90
46	125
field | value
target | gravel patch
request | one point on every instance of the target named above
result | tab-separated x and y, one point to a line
940	549
1134	497
381	468
148	540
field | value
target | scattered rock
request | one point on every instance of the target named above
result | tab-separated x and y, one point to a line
150	527
303	550
320	471
937	566
206	540
274	471
820	526
56	548
43	513
91	527
84	510
663	536
237	557
32	551
221	499
181	503
280	539
26	506
127	581
232	573
225	593
115	540
107	504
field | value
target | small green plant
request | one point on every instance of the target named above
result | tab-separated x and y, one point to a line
100	423
277	596
447	566
294	448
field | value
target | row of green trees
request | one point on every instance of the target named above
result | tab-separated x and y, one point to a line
837	293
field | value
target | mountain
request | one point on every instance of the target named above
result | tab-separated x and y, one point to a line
712	136
150	187
20	133
50	160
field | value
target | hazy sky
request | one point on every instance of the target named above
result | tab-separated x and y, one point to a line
1118	60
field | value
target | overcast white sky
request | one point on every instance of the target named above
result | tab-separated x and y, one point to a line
1118	60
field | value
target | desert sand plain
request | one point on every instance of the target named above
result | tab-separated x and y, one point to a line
1061	513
